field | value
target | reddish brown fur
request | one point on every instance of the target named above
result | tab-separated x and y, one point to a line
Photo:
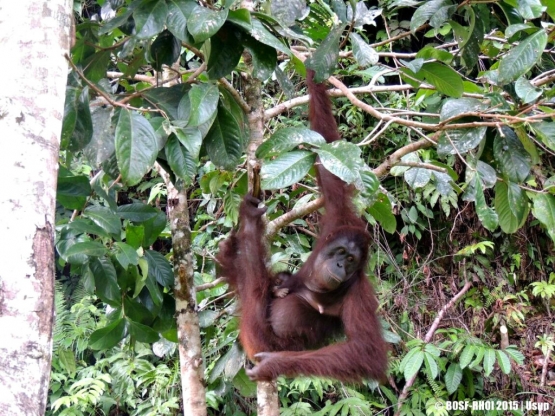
284	329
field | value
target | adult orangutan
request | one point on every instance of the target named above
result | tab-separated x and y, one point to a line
299	331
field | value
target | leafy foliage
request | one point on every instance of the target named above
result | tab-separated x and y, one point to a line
449	143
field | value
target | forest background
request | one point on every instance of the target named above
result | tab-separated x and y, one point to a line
446	109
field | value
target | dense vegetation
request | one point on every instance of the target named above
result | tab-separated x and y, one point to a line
447	112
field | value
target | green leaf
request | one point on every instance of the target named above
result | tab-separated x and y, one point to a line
546	133
526	91
204	23
225	51
486	215
136	146
511	206
126	255
544	210
513	160
412	362
105	279
159	268
87	248
83	225
77	128
150	18
181	161
456	106
503	361
137	212
453	377
520	59
364	54
381	211
204	103
165	50
264	58
515	354
95	65
72	191
142	333
263	35
530	9
289	138
324	59
168	99
287	11
342	159
431	365
445	79
417	177
287	169
104	218
178	10
460	140
109	336
466	356
440	8
489	361
223	142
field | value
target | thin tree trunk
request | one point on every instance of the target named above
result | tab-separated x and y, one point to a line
190	348
34	36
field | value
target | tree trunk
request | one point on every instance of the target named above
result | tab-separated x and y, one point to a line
190	348
35	36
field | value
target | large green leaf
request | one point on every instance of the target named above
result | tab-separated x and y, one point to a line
204	23
544	210
165	50
224	143
417	177
109	336
453	377
364	54
412	362
225	51
287	11
287	169
77	128
142	333
150	18
511	205
519	60
86	248
436	11
324	59
105	279
460	140
381	211
530	9
204	103
167	99
159	268
126	255
286	139
72	191
104	218
489	361
264	57
486	215
180	160
342	159
445	79
136	146
545	132
178	10
526	91
137	212
513	160
262	34
503	361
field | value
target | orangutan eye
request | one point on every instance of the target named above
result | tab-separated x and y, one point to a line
350	258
